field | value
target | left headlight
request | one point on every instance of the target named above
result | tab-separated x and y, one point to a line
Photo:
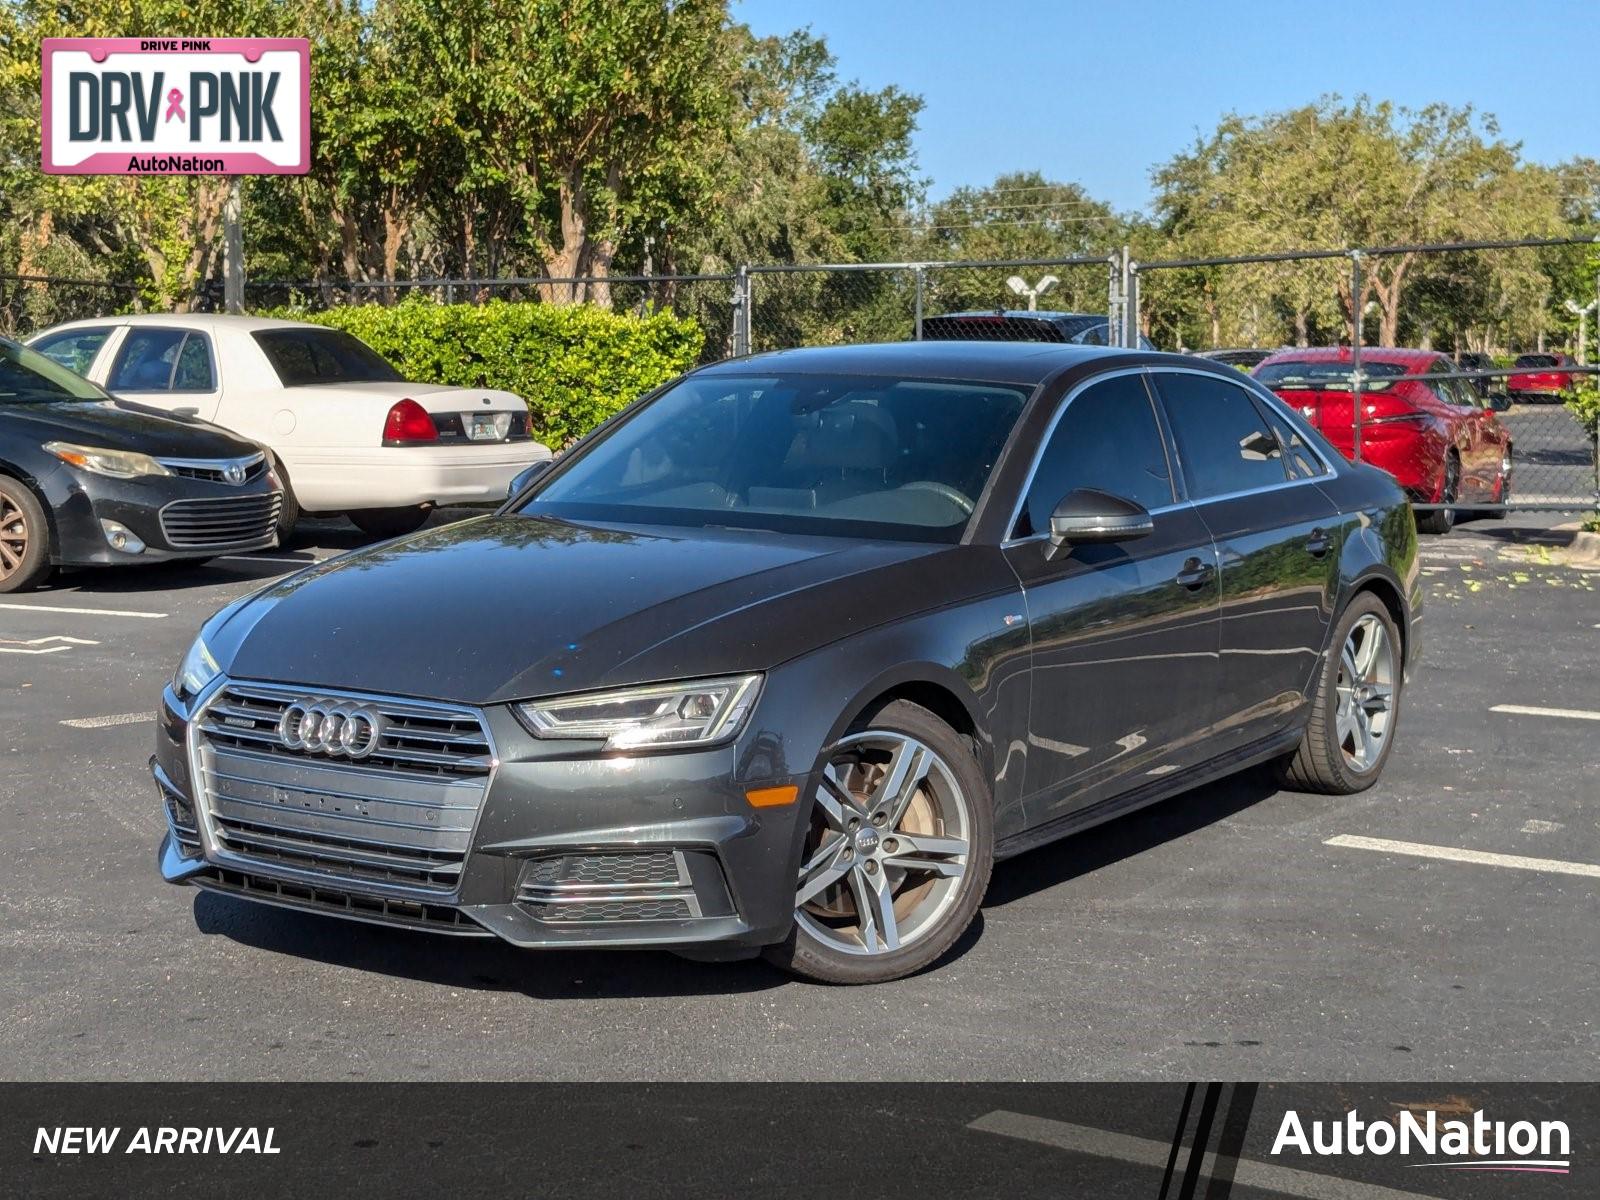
700	712
196	670
119	464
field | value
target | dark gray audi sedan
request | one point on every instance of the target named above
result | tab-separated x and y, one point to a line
784	657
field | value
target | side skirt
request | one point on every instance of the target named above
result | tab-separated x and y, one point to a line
1146	794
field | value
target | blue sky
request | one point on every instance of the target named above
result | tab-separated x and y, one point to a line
1099	92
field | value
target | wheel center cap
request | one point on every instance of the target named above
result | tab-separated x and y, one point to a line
866	840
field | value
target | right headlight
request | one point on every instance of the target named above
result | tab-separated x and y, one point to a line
700	712
118	464
196	670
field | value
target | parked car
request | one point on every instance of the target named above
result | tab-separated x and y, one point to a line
1022	325
787	656
87	481
1439	438
1244	359
1493	390
1540	377
349	435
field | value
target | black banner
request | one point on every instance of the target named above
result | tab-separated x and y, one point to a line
1144	1141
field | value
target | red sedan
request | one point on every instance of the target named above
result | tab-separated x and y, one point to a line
1543	378
1440	439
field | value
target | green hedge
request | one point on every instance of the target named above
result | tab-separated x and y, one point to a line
575	365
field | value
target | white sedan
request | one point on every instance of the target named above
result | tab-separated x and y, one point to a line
348	433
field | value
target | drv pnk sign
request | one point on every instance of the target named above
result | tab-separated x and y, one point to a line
171	106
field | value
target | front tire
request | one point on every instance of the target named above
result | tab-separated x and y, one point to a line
24	538
390	522
898	855
1355	706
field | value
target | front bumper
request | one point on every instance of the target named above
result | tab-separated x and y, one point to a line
567	849
79	501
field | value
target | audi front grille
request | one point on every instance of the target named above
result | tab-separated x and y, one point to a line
400	813
217	524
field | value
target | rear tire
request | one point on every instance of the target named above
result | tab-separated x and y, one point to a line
1441	520
1355	707
24	538
390	522
915	858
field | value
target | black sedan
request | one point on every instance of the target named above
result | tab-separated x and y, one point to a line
785	656
86	480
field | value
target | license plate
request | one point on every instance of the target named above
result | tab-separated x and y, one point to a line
488	427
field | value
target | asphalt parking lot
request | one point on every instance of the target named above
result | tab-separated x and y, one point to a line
1442	924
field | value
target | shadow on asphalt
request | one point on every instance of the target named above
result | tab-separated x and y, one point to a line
483	965
1084	853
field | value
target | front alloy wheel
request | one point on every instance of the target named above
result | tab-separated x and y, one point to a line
897	854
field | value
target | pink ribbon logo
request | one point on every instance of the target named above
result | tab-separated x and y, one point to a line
175	105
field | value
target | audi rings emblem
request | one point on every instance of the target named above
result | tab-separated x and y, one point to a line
337	730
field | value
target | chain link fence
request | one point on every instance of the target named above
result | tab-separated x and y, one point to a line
1440	363
29	303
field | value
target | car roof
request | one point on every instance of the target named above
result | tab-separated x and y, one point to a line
1369	354
205	322
1025	363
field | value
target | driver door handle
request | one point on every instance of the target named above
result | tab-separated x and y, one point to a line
1318	543
1196	574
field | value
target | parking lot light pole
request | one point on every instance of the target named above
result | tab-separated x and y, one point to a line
232	249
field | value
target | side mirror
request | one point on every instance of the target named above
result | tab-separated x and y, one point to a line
526	476
1087	515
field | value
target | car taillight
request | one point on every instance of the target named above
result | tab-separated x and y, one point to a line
407	424
1382	407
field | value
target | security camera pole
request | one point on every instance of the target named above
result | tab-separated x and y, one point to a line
1020	286
1582	311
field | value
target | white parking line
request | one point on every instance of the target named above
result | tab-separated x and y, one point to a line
44	645
1248	1172
1482	858
1529	710
87	612
114	719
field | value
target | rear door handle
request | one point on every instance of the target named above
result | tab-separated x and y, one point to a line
1195	574
1318	543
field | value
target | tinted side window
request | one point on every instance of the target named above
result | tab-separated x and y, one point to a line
146	360
1107	439
1303	464
74	349
194	373
1223	441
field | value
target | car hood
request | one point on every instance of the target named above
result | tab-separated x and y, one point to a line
116	425
511	607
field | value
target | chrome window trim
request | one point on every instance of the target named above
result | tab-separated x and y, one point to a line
209	850
1246	385
1050	430
1250	387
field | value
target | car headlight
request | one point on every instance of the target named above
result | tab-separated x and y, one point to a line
119	464
196	670
701	712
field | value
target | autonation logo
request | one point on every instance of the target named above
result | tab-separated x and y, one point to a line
1476	1145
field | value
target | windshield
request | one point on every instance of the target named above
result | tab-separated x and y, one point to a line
841	455
303	357
28	377
1325	376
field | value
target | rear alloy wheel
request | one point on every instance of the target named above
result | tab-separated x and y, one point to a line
24	539
1443	518
898	853
1355	706
390	522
